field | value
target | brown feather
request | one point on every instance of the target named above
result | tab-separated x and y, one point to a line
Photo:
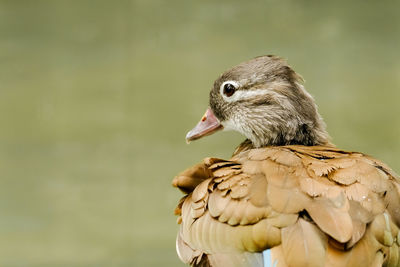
303	244
189	179
288	198
332	217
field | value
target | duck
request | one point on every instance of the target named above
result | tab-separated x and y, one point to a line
287	196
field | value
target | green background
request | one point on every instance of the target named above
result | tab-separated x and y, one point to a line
96	98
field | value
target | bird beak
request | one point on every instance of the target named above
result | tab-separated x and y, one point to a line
206	126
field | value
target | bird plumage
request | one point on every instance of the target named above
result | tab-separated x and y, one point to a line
311	205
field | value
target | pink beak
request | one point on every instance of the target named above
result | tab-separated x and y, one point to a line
206	126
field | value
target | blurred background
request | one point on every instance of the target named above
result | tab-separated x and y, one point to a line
96	98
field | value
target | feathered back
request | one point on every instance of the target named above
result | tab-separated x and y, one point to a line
311	205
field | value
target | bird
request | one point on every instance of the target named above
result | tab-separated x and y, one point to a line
287	196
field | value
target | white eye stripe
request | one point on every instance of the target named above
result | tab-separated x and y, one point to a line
245	94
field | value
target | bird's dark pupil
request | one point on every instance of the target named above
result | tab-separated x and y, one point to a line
229	89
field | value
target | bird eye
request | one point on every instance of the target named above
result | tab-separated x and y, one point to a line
228	88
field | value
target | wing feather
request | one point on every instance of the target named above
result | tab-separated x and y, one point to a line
311	205
304	244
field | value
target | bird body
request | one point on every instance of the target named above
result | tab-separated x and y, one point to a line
286	191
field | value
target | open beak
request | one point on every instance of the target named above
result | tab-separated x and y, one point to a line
206	126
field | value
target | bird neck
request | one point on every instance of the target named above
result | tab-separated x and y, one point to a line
305	135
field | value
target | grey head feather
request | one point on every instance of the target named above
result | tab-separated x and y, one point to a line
270	105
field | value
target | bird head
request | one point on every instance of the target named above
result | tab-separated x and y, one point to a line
263	99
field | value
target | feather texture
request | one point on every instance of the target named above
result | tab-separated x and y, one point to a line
312	205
